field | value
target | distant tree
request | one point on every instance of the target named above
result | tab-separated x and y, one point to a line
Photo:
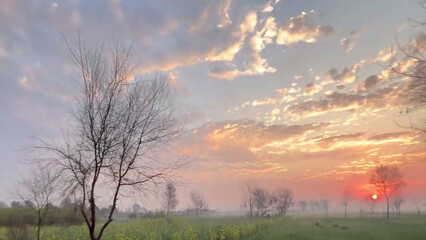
67	202
262	201
37	192
104	212
15	204
3	204
324	205
345	200
136	208
134	211
387	180
198	202
281	200
51	206
314	205
371	204
302	205
248	199
170	200
396	202
417	204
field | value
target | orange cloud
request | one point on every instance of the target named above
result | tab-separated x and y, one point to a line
266	101
301	29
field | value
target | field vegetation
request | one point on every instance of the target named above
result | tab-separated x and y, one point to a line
230	228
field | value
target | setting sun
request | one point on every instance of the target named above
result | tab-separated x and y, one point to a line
374	197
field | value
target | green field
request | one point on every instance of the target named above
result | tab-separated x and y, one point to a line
229	228
407	227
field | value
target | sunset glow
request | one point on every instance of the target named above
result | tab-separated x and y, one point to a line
374	197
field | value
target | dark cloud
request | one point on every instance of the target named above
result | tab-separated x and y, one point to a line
347	75
311	89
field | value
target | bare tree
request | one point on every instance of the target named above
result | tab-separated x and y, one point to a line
262	201
345	200
136	208
409	63
281	201
411	66
387	180
418	202
372	204
396	202
198	202
248	200
119	122
325	205
302	205
314	205
36	192
170	200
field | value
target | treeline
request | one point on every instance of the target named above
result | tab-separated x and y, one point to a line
21	216
260	202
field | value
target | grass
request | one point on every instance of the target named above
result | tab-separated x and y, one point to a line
230	228
407	227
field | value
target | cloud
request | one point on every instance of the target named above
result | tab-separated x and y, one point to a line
337	102
173	78
407	62
247	148
349	43
268	7
297	77
369	83
229	71
256	65
311	89
183	34
302	28
245	136
266	101
348	75
360	139
385	55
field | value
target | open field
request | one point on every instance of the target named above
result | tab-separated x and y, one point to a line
229	228
407	227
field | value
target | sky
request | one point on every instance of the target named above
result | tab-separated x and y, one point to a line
289	93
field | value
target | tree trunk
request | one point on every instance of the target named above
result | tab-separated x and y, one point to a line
92	234
39	226
387	207
345	211
38	230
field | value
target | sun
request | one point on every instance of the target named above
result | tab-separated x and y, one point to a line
374	196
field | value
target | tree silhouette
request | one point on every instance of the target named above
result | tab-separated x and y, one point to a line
387	180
